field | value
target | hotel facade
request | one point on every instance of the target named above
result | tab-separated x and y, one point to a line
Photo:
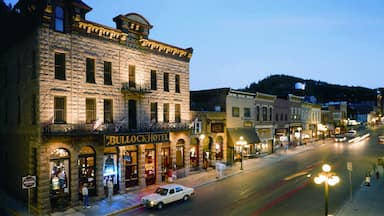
83	103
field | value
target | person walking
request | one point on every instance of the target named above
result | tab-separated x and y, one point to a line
110	189
84	191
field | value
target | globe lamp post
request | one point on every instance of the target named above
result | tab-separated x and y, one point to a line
328	178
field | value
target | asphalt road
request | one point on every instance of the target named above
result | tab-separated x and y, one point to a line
284	187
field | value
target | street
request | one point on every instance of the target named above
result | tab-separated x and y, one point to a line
284	187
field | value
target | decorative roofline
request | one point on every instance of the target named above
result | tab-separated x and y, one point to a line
102	31
165	48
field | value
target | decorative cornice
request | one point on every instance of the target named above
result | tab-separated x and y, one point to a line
164	48
102	31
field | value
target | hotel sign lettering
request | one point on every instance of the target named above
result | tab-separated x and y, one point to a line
134	139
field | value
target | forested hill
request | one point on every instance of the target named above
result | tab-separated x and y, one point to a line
281	85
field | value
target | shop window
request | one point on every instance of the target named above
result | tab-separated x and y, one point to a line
111	169
87	169
194	156
180	154
150	171
59	178
131	167
165	161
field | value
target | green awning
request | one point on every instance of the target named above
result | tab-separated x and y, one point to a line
249	135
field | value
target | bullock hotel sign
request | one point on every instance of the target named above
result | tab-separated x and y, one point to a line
134	139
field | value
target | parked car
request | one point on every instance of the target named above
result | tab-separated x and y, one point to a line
166	194
351	133
340	138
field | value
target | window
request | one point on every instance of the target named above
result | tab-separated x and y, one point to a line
276	117
166	112
270	114
132	76
177	83
59	19
60	110
177	113
235	112
257	113
60	66
247	112
107	73
108	111
90	110
154	112
166	81
90	67
153	80
264	110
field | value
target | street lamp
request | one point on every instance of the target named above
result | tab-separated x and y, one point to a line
328	178
240	143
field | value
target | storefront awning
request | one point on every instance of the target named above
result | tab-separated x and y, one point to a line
249	135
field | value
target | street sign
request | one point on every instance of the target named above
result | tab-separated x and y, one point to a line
349	166
29	182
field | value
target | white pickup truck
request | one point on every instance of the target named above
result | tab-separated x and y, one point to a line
166	194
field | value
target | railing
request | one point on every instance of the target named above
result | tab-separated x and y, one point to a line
86	129
135	87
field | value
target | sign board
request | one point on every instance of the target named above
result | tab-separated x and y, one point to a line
349	166
29	182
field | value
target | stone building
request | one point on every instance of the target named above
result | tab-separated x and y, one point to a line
83	103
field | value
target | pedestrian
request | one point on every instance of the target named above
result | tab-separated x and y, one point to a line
84	191
170	174
367	180
110	189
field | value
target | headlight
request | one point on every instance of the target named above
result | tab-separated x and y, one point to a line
152	203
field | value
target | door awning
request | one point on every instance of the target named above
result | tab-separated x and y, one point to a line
249	135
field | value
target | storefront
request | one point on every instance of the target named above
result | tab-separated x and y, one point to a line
251	149
150	164
166	160
59	167
130	159
194	154
87	170
111	172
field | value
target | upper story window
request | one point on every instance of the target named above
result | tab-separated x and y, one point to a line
177	83
270	114
257	113
60	66
177	113
264	110
59	19
60	110
247	112
235	112
132	76
154	112
166	82
90	70
153	80
108	111
107	73
166	112
90	106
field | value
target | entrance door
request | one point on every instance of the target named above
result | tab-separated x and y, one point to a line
87	169
131	168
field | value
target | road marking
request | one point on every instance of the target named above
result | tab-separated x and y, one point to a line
295	175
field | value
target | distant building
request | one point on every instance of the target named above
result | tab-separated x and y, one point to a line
82	103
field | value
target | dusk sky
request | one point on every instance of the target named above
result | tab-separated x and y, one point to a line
239	42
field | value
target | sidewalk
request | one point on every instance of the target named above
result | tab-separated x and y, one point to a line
131	199
367	201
